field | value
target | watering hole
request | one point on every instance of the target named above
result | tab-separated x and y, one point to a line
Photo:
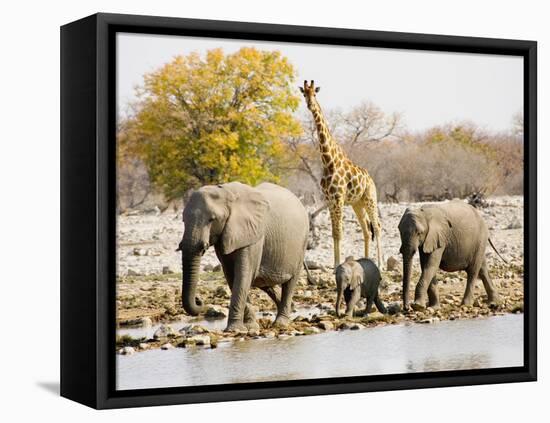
449	345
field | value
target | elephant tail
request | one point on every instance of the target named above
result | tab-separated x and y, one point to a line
498	254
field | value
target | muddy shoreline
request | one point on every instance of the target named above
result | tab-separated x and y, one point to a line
149	279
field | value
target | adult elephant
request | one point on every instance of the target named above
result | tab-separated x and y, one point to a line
452	237
259	235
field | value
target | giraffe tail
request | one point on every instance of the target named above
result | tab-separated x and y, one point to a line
371	231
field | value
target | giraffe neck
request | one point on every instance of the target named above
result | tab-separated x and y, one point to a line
327	144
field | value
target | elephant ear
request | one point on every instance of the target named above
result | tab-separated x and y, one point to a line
246	222
357	276
438	226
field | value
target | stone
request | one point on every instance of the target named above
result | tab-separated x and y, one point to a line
308	294
393	308
145	322
216	312
200	339
208	267
222	292
126	351
132	272
164	331
166	270
217	268
269	335
139	251
357	326
190	330
311	330
167	346
516	223
144	346
254	332
314	265
325	325
392	264
375	315
426	321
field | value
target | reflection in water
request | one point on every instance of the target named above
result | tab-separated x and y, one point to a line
463	344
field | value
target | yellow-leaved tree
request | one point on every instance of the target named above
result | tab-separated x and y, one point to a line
213	119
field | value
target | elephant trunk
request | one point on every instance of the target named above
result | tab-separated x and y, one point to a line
190	277
407	262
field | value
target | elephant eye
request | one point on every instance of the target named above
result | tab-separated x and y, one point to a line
212	218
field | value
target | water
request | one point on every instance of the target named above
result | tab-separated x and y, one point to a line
450	345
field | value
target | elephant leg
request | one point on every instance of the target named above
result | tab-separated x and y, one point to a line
336	208
350	303
246	263
380	305
492	293
249	320
285	305
430	265
433	294
468	299
368	308
270	291
365	223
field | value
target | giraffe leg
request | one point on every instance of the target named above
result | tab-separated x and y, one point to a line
363	219
372	211
336	209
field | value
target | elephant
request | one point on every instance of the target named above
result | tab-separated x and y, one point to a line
259	235
356	279
452	237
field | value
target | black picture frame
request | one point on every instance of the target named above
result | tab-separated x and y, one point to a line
88	209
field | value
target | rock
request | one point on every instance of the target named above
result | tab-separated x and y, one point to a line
208	267
166	270
269	335
144	346
145	322
200	339
139	251
375	315
426	321
132	272
190	330
126	351
325	325
222	292
393	308
217	268
164	331
314	265
311	330
392	264
167	346
516	223
216	312
254	332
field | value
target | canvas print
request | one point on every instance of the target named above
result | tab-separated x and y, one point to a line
292	211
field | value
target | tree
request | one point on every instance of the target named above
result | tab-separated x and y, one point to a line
213	119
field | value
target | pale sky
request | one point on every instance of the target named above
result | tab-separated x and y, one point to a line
428	88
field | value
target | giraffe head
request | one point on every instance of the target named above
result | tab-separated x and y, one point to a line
309	92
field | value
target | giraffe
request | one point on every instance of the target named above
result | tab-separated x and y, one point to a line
343	182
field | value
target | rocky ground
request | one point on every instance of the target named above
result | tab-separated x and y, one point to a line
149	284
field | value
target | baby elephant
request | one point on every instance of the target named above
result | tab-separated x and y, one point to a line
356	279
